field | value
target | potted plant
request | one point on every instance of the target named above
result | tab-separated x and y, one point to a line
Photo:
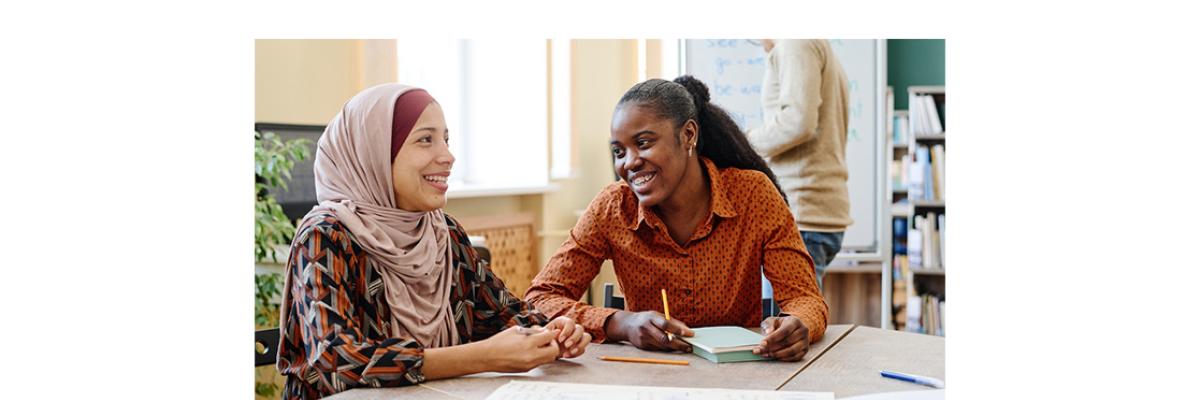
273	162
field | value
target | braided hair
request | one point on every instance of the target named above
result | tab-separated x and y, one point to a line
720	139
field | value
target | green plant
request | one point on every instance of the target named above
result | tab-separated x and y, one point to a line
273	162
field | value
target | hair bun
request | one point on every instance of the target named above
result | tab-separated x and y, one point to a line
694	86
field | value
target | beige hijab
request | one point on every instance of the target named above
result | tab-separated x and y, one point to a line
410	250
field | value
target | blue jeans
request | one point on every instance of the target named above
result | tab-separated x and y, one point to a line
823	247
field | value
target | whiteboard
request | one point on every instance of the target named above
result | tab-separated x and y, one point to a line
733	70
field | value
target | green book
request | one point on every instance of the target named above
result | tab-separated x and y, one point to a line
722	344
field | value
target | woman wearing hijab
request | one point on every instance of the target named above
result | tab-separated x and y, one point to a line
382	287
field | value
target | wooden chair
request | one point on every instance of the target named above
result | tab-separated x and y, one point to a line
618	302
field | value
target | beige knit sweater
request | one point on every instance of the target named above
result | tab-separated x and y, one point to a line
805	101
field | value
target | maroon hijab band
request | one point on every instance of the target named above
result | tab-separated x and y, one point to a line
409	107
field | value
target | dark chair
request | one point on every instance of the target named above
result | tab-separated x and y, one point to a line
484	253
618	302
269	340
770	308
611	300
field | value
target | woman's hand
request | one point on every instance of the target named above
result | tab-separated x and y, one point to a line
648	330
786	339
572	339
518	349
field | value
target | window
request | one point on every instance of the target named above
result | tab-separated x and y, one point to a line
560	109
494	93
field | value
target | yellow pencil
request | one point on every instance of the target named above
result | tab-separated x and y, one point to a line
667	312
645	360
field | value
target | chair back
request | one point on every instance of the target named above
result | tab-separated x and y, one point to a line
268	340
611	300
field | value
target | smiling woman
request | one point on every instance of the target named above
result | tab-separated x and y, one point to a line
422	158
382	287
697	214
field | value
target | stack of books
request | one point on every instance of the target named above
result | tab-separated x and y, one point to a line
927	242
923	115
926	171
926	314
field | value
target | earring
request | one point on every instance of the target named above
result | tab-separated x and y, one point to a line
690	149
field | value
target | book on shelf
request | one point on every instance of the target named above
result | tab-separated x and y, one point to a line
941	321
923	113
927	169
722	344
916	117
899	236
914	243
899	128
902	289
924	247
941	219
916	176
937	166
926	173
922	178
894	175
926	314
932	112
930	238
912	321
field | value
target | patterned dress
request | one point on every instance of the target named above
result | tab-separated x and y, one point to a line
335	321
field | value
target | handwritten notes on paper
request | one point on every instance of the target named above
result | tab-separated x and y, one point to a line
532	390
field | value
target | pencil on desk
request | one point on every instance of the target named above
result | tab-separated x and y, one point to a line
645	360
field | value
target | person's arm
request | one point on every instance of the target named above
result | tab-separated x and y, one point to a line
319	281
494	308
511	350
557	288
338	349
795	122
789	267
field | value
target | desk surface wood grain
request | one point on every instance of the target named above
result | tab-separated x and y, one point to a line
852	367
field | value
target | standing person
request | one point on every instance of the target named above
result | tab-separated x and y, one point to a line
803	138
697	214
382	287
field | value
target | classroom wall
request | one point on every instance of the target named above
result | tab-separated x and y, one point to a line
913	62
307	81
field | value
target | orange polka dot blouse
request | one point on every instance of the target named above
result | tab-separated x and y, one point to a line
713	279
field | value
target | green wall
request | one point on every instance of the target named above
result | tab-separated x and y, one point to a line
915	62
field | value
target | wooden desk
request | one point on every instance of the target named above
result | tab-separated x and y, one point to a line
417	392
852	366
760	375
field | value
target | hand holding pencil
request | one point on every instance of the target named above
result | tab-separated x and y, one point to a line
649	330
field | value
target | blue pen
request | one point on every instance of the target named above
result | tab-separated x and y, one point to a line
917	379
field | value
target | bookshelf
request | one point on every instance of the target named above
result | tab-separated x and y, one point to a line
917	170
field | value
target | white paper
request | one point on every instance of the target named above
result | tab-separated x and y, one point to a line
534	390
